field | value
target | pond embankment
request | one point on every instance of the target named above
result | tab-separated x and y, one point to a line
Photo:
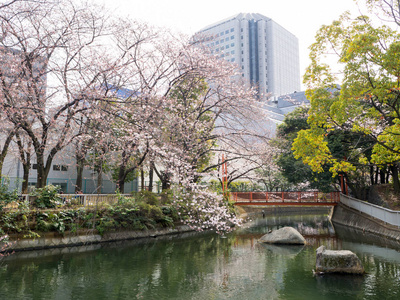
88	237
256	211
346	216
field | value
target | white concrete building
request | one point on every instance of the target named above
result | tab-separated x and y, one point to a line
266	53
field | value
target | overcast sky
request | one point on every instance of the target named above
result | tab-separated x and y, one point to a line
301	17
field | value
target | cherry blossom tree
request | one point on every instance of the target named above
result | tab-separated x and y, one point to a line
54	63
127	94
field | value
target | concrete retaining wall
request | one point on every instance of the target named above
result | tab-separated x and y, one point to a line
53	240
256	211
346	216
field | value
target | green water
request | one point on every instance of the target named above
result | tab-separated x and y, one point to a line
205	266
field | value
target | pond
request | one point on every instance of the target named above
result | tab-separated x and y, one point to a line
206	266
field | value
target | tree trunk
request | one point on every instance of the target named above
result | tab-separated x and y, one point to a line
395	177
25	178
79	176
125	170
376	175
151	174
80	156
121	179
99	181
42	169
371	175
142	178
383	176
164	177
41	177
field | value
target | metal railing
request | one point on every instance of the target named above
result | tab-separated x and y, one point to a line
378	212
285	198
82	199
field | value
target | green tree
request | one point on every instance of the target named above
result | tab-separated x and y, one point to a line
366	103
294	170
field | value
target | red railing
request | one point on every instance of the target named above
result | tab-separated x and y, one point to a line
285	198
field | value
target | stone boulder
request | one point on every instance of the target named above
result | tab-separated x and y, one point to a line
339	261
284	235
281	249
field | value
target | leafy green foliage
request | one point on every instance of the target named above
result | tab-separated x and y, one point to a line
147	197
7	196
292	169
364	108
127	214
46	197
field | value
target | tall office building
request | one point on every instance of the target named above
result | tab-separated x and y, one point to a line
266	53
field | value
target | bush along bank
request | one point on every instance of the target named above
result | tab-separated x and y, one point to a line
45	215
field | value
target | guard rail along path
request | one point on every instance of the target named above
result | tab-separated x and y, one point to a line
312	198
83	199
378	212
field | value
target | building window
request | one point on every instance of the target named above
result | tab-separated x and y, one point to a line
227	46
63	168
232	60
222	41
232	37
233	52
226	31
222	33
232	29
241	37
216	42
34	166
226	39
241	29
233	44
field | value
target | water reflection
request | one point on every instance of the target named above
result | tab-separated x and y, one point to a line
204	266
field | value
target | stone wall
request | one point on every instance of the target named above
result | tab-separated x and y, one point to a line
346	216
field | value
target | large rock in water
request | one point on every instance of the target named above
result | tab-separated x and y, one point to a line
284	235
341	261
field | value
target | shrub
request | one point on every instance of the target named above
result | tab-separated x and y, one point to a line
147	197
171	212
166	197
6	196
46	197
125	201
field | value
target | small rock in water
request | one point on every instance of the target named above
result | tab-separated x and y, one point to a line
284	235
340	261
